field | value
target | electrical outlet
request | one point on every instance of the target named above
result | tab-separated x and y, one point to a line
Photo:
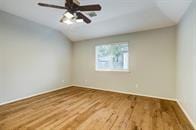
63	81
136	86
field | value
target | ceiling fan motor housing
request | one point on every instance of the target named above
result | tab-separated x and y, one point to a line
76	2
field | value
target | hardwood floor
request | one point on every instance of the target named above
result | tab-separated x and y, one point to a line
77	108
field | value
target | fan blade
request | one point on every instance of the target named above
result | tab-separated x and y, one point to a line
52	6
90	8
82	16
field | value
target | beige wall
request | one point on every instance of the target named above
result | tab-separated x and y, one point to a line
152	64
186	62
34	58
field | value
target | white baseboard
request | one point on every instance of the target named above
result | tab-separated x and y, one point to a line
143	95
37	94
187	115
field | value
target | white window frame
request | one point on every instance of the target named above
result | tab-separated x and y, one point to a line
112	70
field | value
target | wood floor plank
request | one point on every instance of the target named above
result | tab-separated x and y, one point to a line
76	108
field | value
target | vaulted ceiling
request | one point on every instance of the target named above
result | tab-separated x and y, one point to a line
116	17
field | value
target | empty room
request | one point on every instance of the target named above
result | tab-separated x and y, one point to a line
97	64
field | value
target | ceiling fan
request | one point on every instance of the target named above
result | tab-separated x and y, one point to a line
74	11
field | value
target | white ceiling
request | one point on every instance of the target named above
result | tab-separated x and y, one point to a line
116	17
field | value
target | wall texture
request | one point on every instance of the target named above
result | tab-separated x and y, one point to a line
186	62
34	58
152	64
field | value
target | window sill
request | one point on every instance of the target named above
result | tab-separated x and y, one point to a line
103	70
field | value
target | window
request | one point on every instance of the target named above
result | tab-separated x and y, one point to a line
112	57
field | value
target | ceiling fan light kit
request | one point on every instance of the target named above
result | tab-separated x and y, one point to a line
71	20
79	20
73	12
66	20
68	15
